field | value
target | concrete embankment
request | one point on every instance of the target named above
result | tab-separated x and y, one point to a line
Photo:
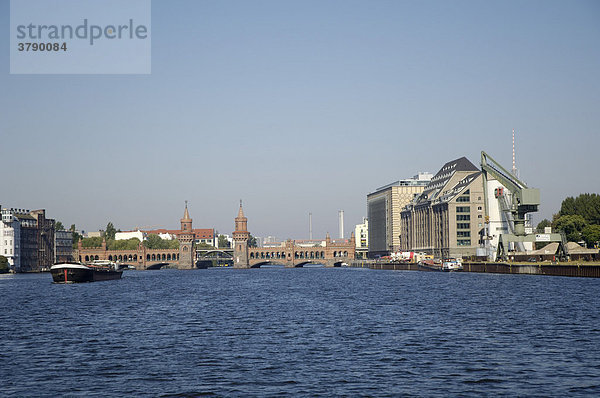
571	269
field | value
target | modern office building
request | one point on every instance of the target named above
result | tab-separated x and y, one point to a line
383	212
447	219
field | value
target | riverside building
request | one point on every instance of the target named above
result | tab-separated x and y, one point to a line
447	219
361	232
384	207
27	239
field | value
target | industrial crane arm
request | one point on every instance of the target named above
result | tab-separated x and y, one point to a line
490	166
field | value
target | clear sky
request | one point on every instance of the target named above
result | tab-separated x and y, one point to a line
305	106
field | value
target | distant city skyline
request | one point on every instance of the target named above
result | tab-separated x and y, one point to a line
305	107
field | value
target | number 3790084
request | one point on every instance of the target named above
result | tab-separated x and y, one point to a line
42	46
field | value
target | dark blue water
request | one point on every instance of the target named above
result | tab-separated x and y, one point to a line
300	332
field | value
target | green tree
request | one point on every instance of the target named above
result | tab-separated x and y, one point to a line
110	231
203	245
223	242
543	224
572	225
91	242
153	241
591	235
123	244
586	205
59	226
4	268
252	241
76	236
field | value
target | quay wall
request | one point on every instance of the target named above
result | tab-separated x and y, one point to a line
575	270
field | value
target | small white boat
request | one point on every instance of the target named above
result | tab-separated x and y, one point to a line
450	265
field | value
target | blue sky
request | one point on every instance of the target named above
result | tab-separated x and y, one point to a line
305	106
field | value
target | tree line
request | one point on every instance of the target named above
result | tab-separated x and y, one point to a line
578	218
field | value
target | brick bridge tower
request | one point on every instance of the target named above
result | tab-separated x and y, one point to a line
186	241
240	240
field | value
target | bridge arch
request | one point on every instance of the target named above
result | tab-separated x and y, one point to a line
268	262
303	263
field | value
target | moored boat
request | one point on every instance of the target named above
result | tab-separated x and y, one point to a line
77	272
429	265
450	265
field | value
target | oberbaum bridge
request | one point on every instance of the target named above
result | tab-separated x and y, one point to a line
330	253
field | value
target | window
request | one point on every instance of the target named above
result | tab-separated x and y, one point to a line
463	198
463	209
479	216
463	225
479	208
463	242
463	234
463	217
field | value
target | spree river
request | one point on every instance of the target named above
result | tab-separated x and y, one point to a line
300	332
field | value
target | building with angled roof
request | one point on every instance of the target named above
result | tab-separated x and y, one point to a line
448	217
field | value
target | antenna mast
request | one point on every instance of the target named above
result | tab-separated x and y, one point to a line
514	168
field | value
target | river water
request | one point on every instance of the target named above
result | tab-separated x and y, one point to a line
300	332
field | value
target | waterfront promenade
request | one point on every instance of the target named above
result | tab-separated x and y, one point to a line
577	269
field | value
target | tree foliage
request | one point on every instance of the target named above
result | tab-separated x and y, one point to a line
572	225
59	226
252	241
3	265
76	236
153	241
110	231
591	235
124	244
585	205
223	242
543	224
91	242
204	245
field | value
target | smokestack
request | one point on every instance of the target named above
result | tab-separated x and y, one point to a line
341	222
310	226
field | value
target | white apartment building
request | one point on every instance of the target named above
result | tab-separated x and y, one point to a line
10	231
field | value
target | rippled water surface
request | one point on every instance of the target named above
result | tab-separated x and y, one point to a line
300	332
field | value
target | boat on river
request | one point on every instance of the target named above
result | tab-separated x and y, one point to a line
450	265
429	265
99	270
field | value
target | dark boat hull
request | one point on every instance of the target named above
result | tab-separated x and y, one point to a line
430	267
80	275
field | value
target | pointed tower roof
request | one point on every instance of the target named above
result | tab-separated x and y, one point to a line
241	212
186	214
